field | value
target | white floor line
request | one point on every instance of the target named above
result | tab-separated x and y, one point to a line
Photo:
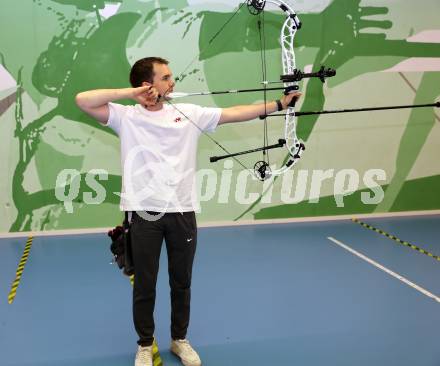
386	270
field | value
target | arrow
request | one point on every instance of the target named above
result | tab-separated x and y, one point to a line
233	91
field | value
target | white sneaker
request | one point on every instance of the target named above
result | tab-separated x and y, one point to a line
144	356
183	349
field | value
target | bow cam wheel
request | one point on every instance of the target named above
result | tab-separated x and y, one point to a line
255	7
262	170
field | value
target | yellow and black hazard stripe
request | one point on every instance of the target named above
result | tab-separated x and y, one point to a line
157	361
396	239
20	270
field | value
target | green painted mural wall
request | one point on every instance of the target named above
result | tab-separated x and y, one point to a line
385	53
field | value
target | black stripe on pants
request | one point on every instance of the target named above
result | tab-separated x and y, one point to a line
180	233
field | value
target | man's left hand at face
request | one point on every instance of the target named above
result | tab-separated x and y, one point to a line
287	99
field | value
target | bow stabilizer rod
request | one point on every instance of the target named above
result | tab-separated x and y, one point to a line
299	114
281	143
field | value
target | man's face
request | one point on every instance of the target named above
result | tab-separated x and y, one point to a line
163	78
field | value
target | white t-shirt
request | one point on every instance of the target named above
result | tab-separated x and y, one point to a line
158	154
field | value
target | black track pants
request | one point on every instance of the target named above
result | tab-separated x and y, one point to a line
180	234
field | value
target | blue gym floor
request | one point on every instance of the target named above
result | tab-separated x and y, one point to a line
280	294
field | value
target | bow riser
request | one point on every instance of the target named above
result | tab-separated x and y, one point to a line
294	146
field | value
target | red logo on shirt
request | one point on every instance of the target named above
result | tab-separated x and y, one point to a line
178	119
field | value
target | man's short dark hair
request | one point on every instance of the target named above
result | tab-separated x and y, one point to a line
142	70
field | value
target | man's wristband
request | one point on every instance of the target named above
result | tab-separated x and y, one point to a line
279	105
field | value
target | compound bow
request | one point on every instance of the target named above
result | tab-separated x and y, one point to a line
290	78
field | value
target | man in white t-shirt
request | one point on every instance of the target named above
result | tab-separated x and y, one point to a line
158	156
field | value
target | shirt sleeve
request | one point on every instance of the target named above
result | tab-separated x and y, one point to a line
208	118
116	114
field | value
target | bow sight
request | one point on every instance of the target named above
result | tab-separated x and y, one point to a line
298	75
